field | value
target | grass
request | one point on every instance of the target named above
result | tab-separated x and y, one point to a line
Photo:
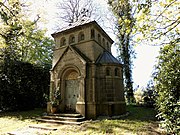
11	121
141	121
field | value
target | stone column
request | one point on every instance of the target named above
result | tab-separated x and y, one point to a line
81	89
93	83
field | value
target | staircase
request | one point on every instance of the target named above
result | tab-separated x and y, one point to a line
63	118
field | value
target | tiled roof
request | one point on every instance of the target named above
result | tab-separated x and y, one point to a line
107	58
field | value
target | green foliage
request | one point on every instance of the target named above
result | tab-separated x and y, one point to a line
55	101
161	23
36	48
167	85
125	12
146	96
25	59
158	23
21	39
23	86
122	12
149	95
11	25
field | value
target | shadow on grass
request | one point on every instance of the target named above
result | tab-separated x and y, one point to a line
23	115
117	127
141	120
140	113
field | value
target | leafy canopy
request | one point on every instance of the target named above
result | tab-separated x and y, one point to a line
160	25
20	38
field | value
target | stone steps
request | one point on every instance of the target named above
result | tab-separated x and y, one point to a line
74	119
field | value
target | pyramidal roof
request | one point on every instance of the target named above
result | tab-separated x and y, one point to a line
83	20
107	58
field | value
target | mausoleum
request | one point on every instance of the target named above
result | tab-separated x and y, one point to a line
85	73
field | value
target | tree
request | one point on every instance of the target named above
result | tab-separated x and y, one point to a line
11	28
125	12
36	48
22	83
167	86
20	37
149	94
161	27
125	22
157	23
71	11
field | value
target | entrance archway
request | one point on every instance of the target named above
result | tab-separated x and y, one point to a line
72	91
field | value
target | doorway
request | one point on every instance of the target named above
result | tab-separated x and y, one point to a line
71	91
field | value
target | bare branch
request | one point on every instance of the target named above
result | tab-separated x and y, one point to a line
72	10
166	7
176	21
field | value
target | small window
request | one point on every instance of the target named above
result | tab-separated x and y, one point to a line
108	47
81	36
116	72
103	42
99	38
63	41
92	33
71	39
108	71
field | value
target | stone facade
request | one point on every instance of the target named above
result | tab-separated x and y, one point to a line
85	72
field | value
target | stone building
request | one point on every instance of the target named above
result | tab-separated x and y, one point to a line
85	72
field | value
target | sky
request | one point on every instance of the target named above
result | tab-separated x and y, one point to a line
144	64
145	55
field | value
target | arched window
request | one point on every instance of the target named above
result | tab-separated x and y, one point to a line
116	72
92	34
108	47
63	41
108	71
71	39
99	38
103	41
81	36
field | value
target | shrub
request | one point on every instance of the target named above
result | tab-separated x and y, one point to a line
22	86
167	86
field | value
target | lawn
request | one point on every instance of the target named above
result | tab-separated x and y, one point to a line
140	121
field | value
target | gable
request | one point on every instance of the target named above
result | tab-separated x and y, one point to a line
70	56
57	54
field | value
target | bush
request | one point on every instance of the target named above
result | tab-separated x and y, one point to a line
23	86
167	86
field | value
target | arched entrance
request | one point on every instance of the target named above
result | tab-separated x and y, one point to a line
71	91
